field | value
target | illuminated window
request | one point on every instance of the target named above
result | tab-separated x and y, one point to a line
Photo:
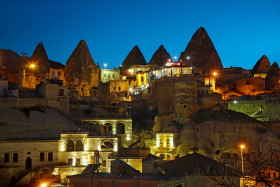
42	156
6	157
50	156
15	157
70	145
79	145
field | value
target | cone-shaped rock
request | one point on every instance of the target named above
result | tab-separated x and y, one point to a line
40	59
262	65
272	77
201	52
81	71
135	57
160	57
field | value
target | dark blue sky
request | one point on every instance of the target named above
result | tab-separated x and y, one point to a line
242	31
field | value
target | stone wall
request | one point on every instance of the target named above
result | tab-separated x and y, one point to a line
264	110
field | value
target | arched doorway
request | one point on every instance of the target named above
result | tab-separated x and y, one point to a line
28	163
120	128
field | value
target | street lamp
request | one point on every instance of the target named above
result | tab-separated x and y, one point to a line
105	65
242	147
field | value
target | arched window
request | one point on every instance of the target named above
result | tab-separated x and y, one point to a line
120	128
107	145
79	145
70	145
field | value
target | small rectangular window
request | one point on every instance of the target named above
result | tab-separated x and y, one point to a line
15	157
70	161
50	156
42	156
104	163
119	88
7	157
78	161
142	79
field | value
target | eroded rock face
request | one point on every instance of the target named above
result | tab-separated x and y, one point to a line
160	57
201	52
213	137
81	72
272	77
217	130
262	65
40	59
135	57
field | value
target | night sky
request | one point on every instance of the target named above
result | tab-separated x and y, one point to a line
242	31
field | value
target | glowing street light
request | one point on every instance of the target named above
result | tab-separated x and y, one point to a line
215	73
188	57
242	147
105	65
43	185
175	57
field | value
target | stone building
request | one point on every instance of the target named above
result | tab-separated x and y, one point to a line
251	86
107	75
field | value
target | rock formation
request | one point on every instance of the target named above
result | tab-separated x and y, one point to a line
135	57
160	57
201	52
272	77
81	72
217	130
10	63
262	65
40	59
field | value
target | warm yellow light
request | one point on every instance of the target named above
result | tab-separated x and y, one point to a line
215	73
43	185
242	146
32	66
